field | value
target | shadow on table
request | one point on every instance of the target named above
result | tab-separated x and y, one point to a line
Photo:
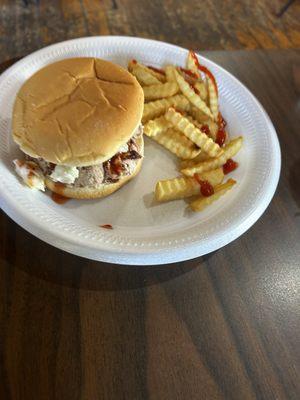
6	64
42	261
294	181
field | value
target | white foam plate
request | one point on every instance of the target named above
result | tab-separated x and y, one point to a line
143	233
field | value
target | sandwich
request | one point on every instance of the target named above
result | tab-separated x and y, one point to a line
78	125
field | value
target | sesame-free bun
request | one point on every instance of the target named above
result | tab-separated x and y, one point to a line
77	111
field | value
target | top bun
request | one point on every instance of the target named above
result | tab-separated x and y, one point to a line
77	111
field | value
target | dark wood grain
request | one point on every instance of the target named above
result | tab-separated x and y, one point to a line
224	326
205	25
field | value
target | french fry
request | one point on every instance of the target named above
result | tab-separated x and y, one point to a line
220	190
161	77
198	115
193	121
143	74
214	177
190	163
204	69
177	188
193	133
181	112
177	143
155	126
160	91
213	98
212	126
170	76
191	64
229	151
182	187
203	119
156	108
201	87
190	94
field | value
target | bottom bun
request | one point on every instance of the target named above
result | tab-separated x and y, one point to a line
90	192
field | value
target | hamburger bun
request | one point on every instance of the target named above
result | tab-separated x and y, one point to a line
102	190
77	112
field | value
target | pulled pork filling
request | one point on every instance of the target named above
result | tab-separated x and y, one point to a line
121	164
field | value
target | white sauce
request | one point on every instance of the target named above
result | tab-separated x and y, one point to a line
130	166
31	174
64	174
123	148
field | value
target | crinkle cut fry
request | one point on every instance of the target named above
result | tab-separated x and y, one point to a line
229	151
156	108
193	133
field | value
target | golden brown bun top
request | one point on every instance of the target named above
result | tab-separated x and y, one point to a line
77	111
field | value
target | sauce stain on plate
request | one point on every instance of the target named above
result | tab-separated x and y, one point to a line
106	226
58	198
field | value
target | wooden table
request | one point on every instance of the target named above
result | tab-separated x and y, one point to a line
209	24
224	326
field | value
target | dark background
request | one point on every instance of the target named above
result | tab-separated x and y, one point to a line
202	25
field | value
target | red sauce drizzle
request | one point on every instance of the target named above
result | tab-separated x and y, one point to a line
205	129
194	88
221	121
221	137
116	164
20	163
58	198
160	71
118	169
229	166
205	70
189	73
106	226
206	188
30	176
179	111
221	134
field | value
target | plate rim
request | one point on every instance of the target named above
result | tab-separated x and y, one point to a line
135	256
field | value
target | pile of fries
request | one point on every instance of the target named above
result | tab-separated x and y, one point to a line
182	114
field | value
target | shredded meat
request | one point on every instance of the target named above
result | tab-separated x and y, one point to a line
46	167
117	165
90	176
110	171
